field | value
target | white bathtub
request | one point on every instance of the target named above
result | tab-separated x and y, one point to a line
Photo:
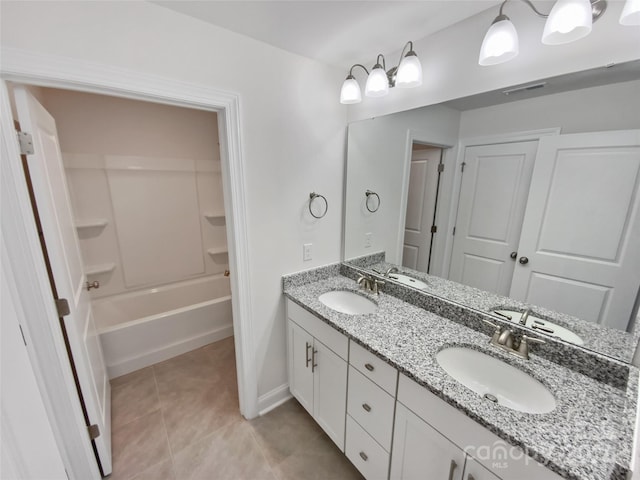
141	328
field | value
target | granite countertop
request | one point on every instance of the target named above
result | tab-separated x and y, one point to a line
606	341
588	436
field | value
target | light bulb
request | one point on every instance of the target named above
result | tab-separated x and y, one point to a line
630	13
377	82
569	20
409	71
500	44
350	92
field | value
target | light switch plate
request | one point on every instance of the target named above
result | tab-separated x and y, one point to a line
307	252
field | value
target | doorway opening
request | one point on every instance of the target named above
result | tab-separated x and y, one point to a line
422	206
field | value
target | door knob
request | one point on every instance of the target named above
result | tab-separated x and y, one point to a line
514	255
523	260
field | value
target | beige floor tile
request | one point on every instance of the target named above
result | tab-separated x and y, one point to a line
196	411
284	431
229	454
133	399
136	376
320	459
161	471
139	445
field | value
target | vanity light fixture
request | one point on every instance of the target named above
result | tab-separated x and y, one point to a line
407	74
569	20
630	13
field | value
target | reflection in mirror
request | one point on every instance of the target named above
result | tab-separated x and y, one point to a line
537	200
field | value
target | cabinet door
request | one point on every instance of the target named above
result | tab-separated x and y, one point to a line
474	471
330	392
421	452
300	371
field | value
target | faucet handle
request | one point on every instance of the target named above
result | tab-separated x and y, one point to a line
491	324
523	348
526	338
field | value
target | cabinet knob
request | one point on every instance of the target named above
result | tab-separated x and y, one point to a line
366	407
368	366
364	456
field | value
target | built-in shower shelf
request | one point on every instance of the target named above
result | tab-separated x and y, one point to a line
213	215
93	223
100	268
218	251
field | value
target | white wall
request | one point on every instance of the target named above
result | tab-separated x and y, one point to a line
293	129
608	107
450	58
178	147
379	153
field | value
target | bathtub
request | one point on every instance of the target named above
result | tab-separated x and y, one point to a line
141	328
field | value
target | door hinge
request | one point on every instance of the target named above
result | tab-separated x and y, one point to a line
94	431
440	167
434	229
454	230
62	305
26	143
462	166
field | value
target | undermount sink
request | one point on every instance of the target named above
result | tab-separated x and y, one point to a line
496	380
543	326
351	303
407	280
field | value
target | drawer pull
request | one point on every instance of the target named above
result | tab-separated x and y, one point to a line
366	407
452	469
368	366
307	355
364	456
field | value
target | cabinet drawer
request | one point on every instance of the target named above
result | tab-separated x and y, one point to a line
373	368
364	452
371	407
328	335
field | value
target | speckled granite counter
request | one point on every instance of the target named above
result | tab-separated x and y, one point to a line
606	341
588	436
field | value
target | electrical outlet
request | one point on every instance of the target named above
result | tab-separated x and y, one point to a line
368	240
307	252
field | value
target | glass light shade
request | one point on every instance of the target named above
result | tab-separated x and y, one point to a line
377	83
569	20
350	92
630	13
500	44
409	72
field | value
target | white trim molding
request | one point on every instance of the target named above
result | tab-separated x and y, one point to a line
274	398
72	74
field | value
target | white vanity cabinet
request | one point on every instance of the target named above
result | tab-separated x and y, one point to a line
370	412
432	439
317	357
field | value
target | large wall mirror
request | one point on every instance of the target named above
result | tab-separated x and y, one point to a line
531	195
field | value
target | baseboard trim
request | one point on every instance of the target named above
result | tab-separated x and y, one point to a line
273	399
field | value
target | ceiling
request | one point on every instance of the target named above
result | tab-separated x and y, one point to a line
338	33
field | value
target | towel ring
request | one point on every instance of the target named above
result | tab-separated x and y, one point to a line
370	194
312	197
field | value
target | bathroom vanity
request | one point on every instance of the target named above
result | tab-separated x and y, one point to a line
374	383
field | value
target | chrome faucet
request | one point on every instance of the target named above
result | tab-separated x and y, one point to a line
506	340
370	284
391	270
525	315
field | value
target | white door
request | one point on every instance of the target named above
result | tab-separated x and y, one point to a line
421	205
581	233
493	197
330	392
52	200
420	452
300	374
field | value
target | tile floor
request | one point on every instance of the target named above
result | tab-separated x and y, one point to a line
179	420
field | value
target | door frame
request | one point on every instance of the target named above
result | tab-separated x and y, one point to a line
45	344
511	137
